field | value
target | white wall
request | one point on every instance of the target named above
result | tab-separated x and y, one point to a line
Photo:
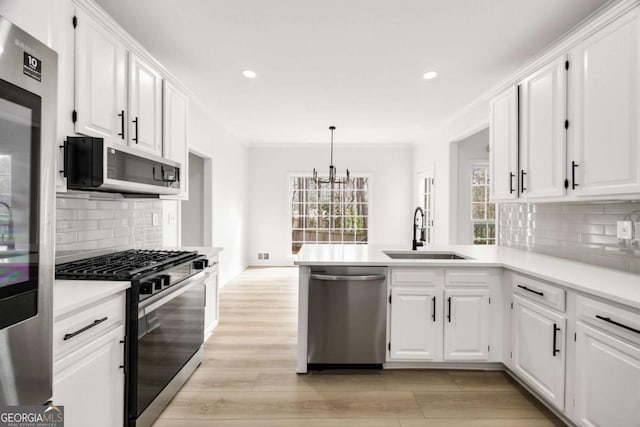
229	197
390	171
436	151
192	213
468	150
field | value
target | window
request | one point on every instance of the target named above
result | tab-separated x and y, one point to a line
483	213
325	213
426	203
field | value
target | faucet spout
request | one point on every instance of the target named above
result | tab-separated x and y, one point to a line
415	243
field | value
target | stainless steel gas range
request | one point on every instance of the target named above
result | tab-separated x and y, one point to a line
165	321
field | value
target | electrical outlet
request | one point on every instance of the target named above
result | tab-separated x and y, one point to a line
636	231
260	255
266	255
625	230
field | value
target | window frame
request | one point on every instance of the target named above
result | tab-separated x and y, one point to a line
421	177
487	222
370	216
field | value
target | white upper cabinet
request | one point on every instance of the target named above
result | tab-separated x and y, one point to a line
145	106
100	80
543	111
504	146
175	125
466	324
604	154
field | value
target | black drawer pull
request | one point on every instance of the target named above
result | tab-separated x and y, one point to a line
121	115
135	122
613	322
449	315
511	176
574	165
555	339
531	290
84	329
433	315
522	174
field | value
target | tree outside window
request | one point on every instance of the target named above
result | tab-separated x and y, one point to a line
483	213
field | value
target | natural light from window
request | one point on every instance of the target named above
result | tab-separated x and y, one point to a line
483	213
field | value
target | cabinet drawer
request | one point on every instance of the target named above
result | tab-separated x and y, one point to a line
543	293
467	278
417	277
618	321
82	327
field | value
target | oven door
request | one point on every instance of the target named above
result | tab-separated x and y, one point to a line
170	332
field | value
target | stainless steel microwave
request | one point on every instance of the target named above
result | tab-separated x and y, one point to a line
99	165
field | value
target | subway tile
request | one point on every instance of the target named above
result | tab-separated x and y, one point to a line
113	223
592	209
600	239
69	203
62	238
585	228
66	215
114	242
621	208
94	235
77	225
95	214
79	246
113	205
598	219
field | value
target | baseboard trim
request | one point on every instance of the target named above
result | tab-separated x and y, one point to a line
479	366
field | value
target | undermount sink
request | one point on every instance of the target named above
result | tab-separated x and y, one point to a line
423	255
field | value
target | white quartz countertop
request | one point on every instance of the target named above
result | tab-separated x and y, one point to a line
613	285
71	295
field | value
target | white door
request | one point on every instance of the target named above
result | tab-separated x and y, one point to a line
175	124
607	380
538	349
145	106
466	324
543	111
604	73
211	304
90	383
503	141
416	324
100	80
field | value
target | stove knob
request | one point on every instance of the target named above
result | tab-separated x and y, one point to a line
166	280
200	264
157	283
146	288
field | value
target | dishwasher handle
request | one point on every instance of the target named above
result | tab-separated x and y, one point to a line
354	278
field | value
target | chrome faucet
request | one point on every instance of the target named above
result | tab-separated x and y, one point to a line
11	244
423	239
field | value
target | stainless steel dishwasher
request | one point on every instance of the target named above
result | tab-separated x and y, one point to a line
347	317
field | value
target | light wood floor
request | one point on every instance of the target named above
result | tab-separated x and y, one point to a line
248	378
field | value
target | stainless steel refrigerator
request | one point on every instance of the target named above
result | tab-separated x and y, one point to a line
28	84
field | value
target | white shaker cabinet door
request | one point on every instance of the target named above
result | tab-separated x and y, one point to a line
100	80
211	304
89	383
604	77
503	141
538	349
416	324
607	380
145	106
466	324
175	125
543	111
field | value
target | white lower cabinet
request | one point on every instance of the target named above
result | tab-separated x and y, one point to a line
416	325
538	348
88	361
466	326
211	308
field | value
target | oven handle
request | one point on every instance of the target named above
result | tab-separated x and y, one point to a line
184	287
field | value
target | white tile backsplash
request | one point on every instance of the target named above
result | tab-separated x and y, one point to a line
83	224
579	231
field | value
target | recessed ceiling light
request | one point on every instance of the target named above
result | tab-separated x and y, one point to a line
249	74
430	75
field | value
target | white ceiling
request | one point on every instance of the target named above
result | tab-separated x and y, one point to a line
357	64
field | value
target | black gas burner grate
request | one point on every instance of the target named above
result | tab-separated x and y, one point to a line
125	265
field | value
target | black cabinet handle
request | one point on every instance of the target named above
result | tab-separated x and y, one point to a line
433	302
555	339
531	290
65	160
121	115
511	176
84	329
449	314
522	174
574	165
613	322
135	121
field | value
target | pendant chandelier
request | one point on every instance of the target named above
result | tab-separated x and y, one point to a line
332	170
